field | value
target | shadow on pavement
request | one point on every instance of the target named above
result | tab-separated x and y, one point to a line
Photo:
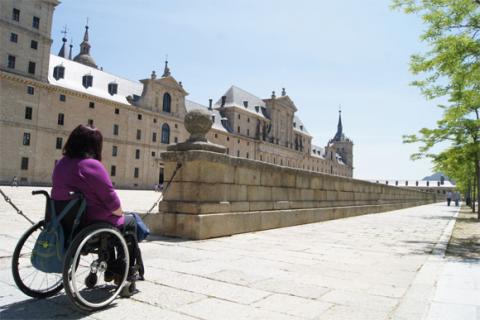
58	307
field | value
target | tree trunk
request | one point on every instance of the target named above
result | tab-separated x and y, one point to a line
477	175
474	188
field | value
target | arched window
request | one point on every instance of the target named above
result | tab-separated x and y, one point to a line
167	99
165	134
87	80
59	72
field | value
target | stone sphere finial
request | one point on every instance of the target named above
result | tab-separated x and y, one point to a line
198	122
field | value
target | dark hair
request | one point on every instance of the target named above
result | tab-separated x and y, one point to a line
84	142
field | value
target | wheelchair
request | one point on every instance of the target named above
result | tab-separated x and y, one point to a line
100	264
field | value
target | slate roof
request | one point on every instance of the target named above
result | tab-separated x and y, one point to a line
75	71
235	97
299	126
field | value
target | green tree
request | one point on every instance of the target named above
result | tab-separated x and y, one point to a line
451	69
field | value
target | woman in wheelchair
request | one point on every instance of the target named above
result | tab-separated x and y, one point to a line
102	258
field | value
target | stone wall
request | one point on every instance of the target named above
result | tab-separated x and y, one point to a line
214	195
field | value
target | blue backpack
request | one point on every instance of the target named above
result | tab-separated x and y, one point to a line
50	247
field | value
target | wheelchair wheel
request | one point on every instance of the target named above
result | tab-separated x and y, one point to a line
96	267
33	282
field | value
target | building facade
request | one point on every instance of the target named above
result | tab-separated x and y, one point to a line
44	96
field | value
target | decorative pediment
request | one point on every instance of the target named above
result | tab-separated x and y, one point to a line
170	83
286	102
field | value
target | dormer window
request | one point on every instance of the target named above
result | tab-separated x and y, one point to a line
257	109
112	88
245	104
294	124
301	128
87	80
59	72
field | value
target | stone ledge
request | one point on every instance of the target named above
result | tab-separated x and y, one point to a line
204	226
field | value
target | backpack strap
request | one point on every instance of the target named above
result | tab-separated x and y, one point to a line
79	215
65	210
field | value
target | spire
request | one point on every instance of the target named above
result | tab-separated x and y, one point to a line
339	135
85	46
64	40
70	52
84	56
166	70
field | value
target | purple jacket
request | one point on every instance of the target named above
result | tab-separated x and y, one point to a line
89	177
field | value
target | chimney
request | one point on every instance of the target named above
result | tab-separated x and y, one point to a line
209	104
224	99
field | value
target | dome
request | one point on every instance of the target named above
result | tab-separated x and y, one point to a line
85	59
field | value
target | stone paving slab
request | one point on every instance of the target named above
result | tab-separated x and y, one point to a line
375	266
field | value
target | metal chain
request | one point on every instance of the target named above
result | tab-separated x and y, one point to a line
20	212
156	203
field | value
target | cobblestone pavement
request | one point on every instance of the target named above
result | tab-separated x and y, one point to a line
380	266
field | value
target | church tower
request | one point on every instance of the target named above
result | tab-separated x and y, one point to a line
341	144
84	56
25	45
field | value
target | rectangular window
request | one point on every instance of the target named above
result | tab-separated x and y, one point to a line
117	111
175	139
31	67
154	120
26	139
238	129
63	98
248	132
30	90
113	171
59	143
13	37
15	14
153	153
238	153
135	173
137	154
11	61
36	22
24	165
139	134
115	129
139	117
60	119
90	122
34	44
154	137
28	113
91	105
114	151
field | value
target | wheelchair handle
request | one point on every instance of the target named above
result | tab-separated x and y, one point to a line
45	193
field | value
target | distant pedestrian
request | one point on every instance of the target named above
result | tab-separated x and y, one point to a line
449	198
456	198
14	181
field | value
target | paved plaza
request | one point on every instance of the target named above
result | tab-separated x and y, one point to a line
380	266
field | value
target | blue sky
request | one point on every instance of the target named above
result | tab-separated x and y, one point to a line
325	53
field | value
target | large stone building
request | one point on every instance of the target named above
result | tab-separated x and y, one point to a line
44	96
